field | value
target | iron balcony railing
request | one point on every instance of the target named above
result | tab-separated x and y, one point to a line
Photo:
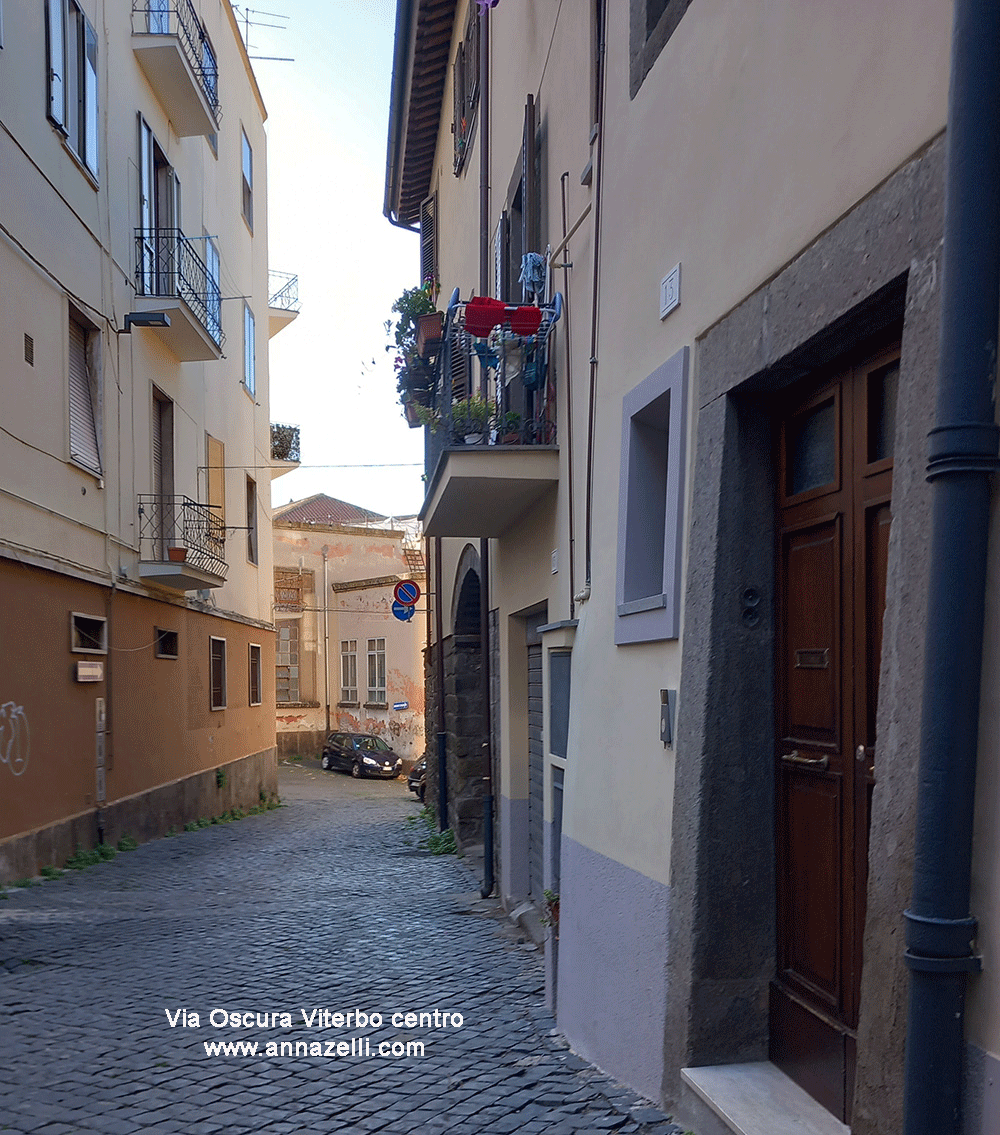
284	442
168	264
179	18
283	291
173	522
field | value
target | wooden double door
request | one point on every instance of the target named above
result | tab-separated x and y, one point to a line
835	470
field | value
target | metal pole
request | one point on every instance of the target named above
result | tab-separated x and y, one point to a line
326	640
484	635
442	734
963	456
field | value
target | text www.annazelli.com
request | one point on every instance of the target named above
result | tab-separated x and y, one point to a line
358	1047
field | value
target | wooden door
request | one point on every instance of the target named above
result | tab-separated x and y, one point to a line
835	470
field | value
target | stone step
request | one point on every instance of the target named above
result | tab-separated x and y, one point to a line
753	1099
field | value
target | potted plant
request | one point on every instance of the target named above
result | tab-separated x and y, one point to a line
470	418
508	427
177	552
413	376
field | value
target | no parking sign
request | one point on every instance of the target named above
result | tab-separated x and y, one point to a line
406	592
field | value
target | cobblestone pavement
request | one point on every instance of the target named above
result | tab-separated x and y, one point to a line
325	904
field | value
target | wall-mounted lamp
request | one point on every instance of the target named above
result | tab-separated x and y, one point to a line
145	319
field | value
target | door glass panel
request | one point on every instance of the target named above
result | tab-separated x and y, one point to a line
883	391
812	449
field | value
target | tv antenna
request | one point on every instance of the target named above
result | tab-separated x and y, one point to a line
255	18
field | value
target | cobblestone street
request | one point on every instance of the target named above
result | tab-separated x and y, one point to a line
324	904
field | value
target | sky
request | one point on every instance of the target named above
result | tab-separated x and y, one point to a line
327	125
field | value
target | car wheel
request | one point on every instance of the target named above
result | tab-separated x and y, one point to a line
326	762
356	770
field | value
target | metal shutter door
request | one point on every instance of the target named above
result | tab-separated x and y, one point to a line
82	427
536	783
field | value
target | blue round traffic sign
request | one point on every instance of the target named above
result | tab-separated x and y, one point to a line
403	611
406	592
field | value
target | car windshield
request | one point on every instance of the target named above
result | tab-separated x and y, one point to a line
371	744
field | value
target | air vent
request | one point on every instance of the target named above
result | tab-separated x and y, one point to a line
29	350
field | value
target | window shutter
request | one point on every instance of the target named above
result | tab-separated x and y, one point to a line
529	181
82	425
56	40
459	365
458	91
428	239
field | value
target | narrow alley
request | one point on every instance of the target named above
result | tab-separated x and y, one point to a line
325	904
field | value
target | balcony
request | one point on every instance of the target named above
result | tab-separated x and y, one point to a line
282	301
284	449
171	276
491	458
176	57
182	544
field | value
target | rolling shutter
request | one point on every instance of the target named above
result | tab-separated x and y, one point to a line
82	425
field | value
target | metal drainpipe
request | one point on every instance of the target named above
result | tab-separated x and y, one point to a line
442	733
963	455
326	640
484	544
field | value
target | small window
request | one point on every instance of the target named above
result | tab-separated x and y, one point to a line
287	661
247	181
349	671
251	520
249	350
218	672
29	350
650	505
88	634
255	674
166	643
559	693
376	671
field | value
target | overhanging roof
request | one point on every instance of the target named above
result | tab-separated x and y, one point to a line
420	66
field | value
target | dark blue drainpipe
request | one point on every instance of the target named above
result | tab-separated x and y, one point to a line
963	456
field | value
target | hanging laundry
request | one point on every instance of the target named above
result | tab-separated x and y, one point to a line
533	273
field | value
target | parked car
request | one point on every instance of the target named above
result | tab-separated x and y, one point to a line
361	754
417	780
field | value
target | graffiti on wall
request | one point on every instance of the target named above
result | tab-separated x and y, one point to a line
15	738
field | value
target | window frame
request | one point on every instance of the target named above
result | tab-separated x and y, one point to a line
223	685
159	650
645	42
654	616
252	529
255	669
249	350
92	391
294	681
376	655
246	179
74	644
73	104
349	662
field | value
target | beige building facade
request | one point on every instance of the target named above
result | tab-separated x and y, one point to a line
344	662
135	454
704	640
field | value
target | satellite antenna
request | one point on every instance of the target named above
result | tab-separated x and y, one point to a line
252	18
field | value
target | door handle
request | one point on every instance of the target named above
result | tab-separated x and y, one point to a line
793	758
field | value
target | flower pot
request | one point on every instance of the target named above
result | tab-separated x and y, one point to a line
410	411
177	555
429	332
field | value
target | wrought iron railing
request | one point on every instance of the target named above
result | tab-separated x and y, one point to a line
284	442
168	264
167	522
179	18
283	290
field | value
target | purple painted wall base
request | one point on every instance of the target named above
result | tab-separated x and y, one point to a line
513	840
612	987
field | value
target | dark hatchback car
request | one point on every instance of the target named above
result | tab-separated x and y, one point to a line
361	754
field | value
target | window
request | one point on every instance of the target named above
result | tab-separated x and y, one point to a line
88	633
209	71
218	672
247	181
650	502
249	351
376	671
651	24
251	520
428	240
215	459
465	88
559	686
287	591
84	447
287	661
255	674
349	671
72	78
213	299
166	643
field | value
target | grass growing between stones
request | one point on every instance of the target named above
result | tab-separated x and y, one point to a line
424	825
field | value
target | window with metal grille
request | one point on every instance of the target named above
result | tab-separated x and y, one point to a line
287	591
255	674
349	670
83	442
287	661
72	78
465	87
247	181
218	672
376	671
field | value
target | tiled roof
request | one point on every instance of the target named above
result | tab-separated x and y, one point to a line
321	509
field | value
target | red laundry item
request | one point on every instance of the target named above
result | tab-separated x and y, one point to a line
526	320
482	314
